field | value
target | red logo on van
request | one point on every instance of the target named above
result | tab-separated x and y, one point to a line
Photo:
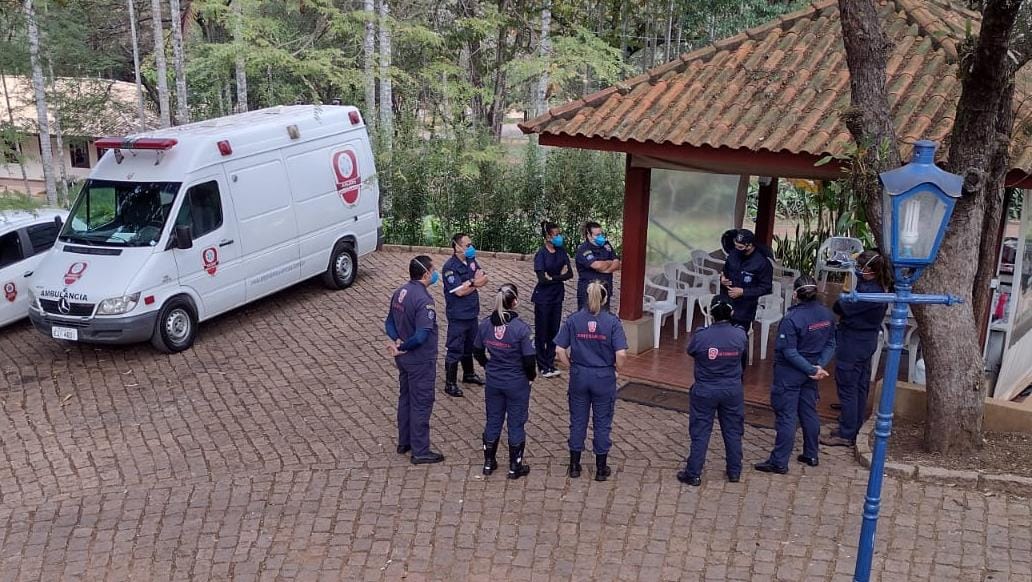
345	166
10	292
210	256
74	273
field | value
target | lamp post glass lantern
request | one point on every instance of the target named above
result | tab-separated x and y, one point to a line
917	205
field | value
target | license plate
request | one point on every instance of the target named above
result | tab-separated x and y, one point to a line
65	333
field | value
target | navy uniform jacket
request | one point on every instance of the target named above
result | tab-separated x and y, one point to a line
551	291
718	350
859	325
507	344
588	253
412	318
755	275
593	339
806	339
455	273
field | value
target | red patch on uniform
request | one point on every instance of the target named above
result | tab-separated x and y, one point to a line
592	326
74	273
210	256
345	166
712	353
819	325
10	292
499	331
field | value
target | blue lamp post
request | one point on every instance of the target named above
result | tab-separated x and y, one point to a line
918	203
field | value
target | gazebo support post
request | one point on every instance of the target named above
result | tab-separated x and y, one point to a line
766	204
632	275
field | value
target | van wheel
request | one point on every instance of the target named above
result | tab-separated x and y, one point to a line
176	327
343	267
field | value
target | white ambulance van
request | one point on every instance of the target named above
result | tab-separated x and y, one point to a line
24	238
179	225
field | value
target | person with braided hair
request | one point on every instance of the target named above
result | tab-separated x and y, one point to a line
504	346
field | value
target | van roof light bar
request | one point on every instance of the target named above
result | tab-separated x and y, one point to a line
140	143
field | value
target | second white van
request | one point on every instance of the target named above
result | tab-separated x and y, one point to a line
179	225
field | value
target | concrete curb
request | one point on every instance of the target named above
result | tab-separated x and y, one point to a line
420	250
989	482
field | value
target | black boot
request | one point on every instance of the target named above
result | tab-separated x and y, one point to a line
468	375
575	467
490	456
451	374
602	470
516	467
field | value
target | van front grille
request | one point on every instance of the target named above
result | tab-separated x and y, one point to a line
74	309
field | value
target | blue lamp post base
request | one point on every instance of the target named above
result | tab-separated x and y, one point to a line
901	299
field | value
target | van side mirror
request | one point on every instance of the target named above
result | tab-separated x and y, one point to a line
58	222
184	237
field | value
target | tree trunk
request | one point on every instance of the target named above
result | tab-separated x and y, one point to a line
368	58
982	127
467	9
978	148
141	111
17	145
540	100
40	93
669	31
62	184
160	64
182	108
386	94
241	59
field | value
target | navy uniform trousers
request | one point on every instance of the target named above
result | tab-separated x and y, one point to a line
415	403
509	405
592	390
459	342
547	319
795	403
728	405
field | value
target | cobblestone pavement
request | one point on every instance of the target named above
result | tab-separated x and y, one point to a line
266	452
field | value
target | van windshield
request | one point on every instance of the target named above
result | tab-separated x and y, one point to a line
120	213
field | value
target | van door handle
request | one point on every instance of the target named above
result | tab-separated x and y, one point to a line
225	243
27	274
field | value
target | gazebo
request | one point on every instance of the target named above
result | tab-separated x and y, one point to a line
768	103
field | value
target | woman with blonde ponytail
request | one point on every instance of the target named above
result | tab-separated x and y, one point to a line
592	343
504	347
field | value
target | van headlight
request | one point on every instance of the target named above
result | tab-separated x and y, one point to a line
33	300
118	305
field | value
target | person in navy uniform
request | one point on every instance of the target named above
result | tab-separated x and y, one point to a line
552	266
463	276
717	391
592	343
506	351
804	346
412	326
596	261
857	340
748	275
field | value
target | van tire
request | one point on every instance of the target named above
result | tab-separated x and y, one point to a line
343	267
176	327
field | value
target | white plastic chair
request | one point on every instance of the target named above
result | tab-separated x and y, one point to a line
689	284
661	302
911	343
838	248
704	307
701	258
787	278
768	313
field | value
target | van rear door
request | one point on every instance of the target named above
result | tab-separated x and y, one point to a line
213	266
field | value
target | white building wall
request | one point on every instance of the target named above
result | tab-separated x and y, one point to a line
10	174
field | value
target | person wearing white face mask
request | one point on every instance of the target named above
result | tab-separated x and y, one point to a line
596	261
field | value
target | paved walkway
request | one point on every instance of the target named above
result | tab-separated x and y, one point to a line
266	452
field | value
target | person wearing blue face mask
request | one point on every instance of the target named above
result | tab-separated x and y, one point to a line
857	340
463	277
411	324
596	261
552	266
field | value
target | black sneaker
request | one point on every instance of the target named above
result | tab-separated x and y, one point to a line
472	379
427	459
811	461
693	480
453	390
733	477
768	467
402	449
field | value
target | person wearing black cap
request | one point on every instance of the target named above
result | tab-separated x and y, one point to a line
717	391
747	276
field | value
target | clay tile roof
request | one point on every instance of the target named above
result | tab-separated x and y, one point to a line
782	87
